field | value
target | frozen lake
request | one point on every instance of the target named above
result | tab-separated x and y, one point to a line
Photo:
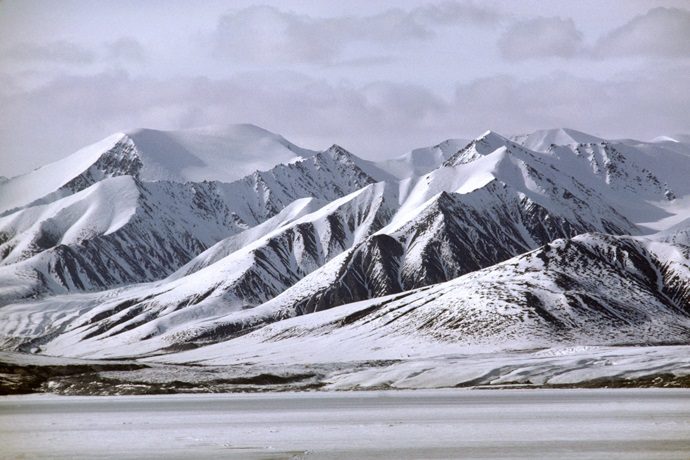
563	424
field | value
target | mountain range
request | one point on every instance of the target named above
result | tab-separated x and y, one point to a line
229	243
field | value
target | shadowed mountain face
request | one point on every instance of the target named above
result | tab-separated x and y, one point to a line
150	241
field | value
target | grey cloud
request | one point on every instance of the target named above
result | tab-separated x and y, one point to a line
541	37
457	12
662	32
125	48
55	52
265	34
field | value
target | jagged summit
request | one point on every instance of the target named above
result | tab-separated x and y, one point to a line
486	144
337	152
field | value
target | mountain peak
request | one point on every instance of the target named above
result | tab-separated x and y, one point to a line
543	139
489	134
213	153
336	149
341	155
24	189
422	160
485	144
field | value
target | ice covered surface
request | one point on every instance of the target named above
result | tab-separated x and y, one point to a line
520	424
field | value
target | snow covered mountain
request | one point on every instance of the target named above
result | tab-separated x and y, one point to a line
79	238
190	253
593	289
222	154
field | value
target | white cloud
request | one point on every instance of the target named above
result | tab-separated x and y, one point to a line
541	37
72	111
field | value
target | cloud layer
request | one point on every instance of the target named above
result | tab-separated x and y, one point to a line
376	120
380	81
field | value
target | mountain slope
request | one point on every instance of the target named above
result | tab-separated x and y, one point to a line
590	290
451	234
58	244
214	283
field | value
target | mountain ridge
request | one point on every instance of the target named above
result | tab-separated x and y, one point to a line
183	260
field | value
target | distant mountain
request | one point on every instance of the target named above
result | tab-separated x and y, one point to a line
152	242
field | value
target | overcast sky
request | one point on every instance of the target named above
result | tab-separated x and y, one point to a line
379	78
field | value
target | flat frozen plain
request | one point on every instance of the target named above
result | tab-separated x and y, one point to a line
432	424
